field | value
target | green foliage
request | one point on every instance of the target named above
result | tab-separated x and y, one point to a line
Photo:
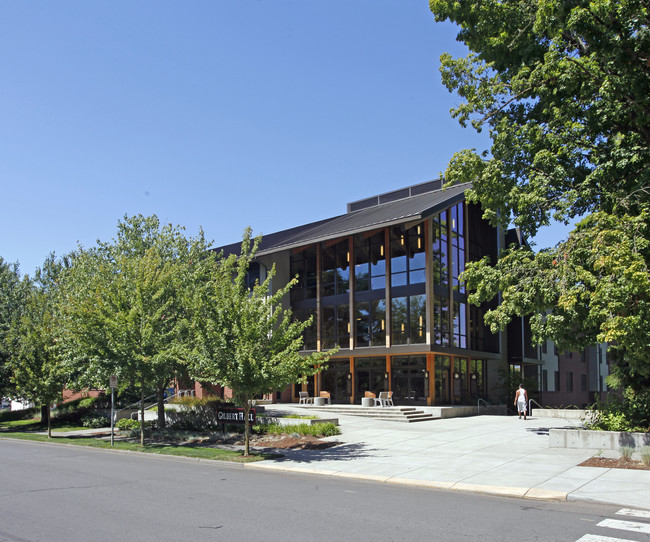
626	452
14	415
244	339
564	90
645	455
37	368
127	310
127	424
191	402
316	430
630	412
95	422
12	292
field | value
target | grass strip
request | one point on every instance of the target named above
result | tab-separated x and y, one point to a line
200	452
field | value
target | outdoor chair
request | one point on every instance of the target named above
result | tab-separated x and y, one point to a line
385	399
304	398
326	395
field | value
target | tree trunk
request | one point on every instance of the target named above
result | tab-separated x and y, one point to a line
247	428
160	399
142	412
46	418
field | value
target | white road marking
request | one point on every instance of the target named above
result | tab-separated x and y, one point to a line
633	513
632	526
597	538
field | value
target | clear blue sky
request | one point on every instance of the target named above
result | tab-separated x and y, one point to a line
220	114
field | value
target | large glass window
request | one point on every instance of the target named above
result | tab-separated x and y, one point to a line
407	256
309	335
335	275
409	319
336	326
457	246
460	325
440	250
441	320
370	318
369	262
303	264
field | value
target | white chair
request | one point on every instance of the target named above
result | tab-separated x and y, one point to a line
304	398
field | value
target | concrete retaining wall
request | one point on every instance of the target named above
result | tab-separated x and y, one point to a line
296	421
596	440
564	413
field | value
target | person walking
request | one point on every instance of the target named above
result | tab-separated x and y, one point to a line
521	401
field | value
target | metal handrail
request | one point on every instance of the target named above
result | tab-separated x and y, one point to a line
478	406
179	393
530	405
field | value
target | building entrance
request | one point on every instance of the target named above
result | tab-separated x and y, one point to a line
408	379
335	380
369	375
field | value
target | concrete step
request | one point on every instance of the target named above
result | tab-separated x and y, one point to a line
397	414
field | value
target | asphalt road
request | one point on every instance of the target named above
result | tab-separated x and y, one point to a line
58	493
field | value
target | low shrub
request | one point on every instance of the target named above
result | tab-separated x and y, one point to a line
626	452
95	422
15	415
645	455
127	424
316	430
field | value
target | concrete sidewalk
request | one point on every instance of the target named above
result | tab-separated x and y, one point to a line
499	455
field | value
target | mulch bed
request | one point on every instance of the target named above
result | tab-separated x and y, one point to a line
289	442
614	463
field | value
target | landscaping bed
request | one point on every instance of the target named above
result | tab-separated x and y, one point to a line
614	463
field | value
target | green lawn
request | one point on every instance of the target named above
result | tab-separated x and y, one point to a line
17	430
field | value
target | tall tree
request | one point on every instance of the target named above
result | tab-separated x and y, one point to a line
245	340
127	310
37	367
564	89
11	304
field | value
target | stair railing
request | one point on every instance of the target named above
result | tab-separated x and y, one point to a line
478	406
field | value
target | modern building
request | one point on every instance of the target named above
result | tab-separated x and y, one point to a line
382	283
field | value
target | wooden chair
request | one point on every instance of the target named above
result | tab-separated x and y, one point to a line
304	398
327	396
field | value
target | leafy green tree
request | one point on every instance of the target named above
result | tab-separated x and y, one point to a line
11	303
245	340
127	311
564	90
37	368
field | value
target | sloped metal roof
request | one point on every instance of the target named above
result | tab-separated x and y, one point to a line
411	209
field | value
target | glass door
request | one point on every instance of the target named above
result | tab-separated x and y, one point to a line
335	380
442	380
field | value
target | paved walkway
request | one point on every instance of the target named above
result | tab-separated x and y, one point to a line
499	455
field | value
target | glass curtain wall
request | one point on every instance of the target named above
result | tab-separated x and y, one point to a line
459	327
408	285
335	287
449	304
370	289
303	295
441	331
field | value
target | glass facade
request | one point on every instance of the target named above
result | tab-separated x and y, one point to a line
378	290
